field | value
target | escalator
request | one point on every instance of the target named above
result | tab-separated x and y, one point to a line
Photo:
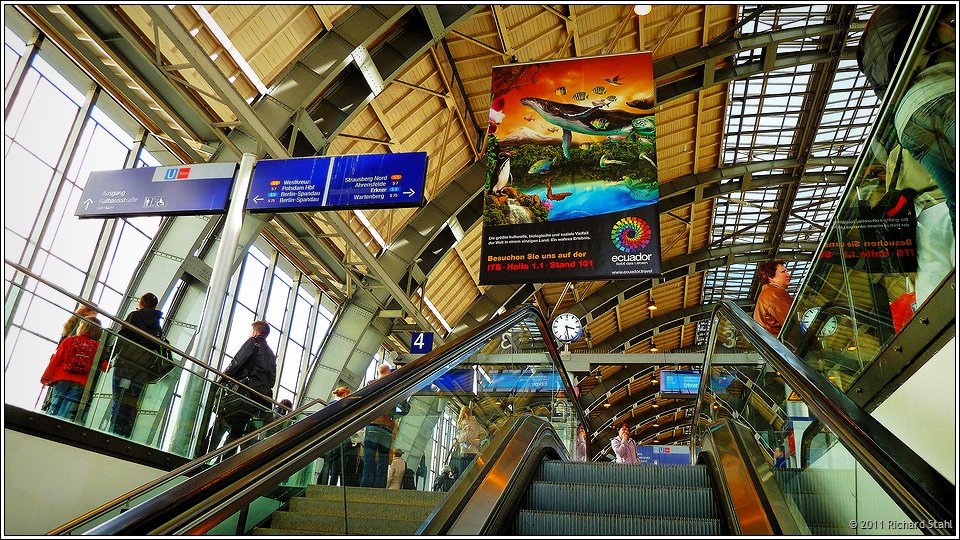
521	482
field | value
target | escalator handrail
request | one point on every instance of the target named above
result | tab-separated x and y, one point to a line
149	337
210	496
923	493
186	468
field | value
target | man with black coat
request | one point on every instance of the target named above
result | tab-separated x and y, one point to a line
254	365
133	353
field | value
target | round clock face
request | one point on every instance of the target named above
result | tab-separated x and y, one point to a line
828	328
567	328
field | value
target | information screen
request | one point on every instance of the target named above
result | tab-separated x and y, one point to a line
679	382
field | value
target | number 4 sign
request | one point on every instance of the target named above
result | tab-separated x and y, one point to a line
421	342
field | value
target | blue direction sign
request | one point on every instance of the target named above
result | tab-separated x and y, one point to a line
338	182
421	342
158	191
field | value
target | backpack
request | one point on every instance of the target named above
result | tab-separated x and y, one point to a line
79	356
408	481
884	41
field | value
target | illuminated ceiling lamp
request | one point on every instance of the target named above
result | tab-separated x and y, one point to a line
653	348
653	377
642	9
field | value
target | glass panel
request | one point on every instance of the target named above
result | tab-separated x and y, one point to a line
127	392
892	240
817	473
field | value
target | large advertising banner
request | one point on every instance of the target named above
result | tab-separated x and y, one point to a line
572	190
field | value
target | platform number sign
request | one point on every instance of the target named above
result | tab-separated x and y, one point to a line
421	342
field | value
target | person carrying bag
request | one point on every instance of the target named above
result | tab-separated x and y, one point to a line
255	366
134	358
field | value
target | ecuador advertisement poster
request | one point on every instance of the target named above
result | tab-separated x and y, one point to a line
571	191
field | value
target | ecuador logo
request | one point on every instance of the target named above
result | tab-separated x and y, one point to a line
631	234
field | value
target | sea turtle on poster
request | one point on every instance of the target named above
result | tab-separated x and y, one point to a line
596	120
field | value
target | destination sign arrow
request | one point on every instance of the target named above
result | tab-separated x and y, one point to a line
393	180
194	189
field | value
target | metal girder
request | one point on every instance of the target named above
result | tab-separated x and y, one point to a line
181	38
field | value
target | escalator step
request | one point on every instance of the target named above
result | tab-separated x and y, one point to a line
679	502
536	523
616	473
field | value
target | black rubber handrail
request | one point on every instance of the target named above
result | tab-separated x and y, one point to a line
209	497
922	492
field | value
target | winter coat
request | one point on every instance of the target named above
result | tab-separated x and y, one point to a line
395	473
56	369
255	365
773	304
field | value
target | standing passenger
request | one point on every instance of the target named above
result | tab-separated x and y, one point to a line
580	444
69	329
70	368
129	376
625	447
377	439
396	470
255	365
774	302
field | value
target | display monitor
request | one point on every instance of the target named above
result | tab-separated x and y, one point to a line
679	382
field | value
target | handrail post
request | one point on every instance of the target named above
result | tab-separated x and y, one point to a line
184	436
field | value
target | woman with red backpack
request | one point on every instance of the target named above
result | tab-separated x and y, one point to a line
70	367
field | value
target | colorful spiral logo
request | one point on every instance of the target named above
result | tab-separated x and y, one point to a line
631	234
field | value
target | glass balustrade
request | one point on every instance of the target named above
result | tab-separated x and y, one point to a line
141	403
822	479
891	242
349	478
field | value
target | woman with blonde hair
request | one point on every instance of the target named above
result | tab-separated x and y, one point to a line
69	368
470	433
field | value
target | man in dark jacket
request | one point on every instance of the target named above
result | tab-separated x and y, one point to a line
254	365
133	353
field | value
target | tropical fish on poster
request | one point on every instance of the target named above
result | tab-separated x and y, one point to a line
606	162
600	103
598	90
575	118
552	129
580	96
611	98
615	80
561	91
540	167
528	118
646	157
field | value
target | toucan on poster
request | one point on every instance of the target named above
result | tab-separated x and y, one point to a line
572	189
